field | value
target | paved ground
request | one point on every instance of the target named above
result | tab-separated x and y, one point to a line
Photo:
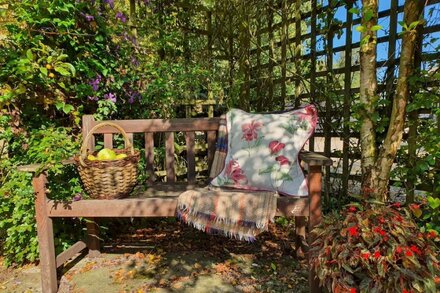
169	257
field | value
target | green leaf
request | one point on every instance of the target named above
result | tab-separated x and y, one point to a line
368	15
354	10
61	70
71	68
59	105
376	28
29	54
67	108
273	266
43	70
267	170
361	29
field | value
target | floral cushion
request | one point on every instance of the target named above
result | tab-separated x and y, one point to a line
263	151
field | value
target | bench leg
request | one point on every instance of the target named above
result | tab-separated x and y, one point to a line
300	235
315	214
46	244
93	237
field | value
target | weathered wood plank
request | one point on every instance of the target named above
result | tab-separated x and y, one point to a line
40	167
70	252
108	140
46	243
212	136
169	156
190	157
315	215
149	155
161	125
93	242
314	159
88	121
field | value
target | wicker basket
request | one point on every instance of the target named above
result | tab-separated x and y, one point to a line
108	179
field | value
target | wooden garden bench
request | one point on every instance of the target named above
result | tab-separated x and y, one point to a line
160	199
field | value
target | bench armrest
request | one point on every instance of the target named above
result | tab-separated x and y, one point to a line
314	159
32	168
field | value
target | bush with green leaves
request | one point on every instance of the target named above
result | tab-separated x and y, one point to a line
374	248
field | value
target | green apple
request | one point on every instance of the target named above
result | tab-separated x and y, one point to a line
106	155
120	156
91	158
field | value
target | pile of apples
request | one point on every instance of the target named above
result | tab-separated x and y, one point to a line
106	155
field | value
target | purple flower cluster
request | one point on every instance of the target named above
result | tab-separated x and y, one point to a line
121	16
132	95
88	17
110	3
110	97
95	82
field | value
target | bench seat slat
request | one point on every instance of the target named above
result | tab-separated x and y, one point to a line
157	201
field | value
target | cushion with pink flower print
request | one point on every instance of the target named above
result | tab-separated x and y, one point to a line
263	149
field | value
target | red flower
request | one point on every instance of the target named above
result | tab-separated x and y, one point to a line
406	291
353	231
399	249
381	220
377	254
414	206
398	218
282	160
352	209
234	172
365	255
431	235
250	130
415	249
352	290
396	205
275	146
409	252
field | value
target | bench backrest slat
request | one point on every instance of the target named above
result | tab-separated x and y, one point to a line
158	131
212	137
149	156
108	140
190	156
169	156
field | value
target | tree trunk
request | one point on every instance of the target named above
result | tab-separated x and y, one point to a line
368	92
412	11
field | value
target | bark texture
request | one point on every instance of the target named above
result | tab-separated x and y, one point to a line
380	179
368	92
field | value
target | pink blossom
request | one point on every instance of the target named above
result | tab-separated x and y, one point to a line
250	130
310	115
234	172
282	160
275	146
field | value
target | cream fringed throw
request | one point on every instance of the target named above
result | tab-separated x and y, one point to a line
237	214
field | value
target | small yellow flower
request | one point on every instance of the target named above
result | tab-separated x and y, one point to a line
48	66
51	75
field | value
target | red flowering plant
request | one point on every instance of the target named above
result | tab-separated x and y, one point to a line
373	247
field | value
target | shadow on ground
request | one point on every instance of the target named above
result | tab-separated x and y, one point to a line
165	256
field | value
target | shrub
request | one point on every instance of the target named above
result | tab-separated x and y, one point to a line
374	248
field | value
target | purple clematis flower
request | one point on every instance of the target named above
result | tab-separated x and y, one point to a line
133	95
92	98
95	82
88	17
110	3
121	16
110	97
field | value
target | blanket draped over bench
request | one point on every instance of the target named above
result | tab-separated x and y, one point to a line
236	214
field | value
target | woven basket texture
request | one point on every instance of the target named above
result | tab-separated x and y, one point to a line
108	179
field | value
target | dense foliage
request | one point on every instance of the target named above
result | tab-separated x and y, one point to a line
375	248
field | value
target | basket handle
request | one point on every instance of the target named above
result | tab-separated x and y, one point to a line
83	152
